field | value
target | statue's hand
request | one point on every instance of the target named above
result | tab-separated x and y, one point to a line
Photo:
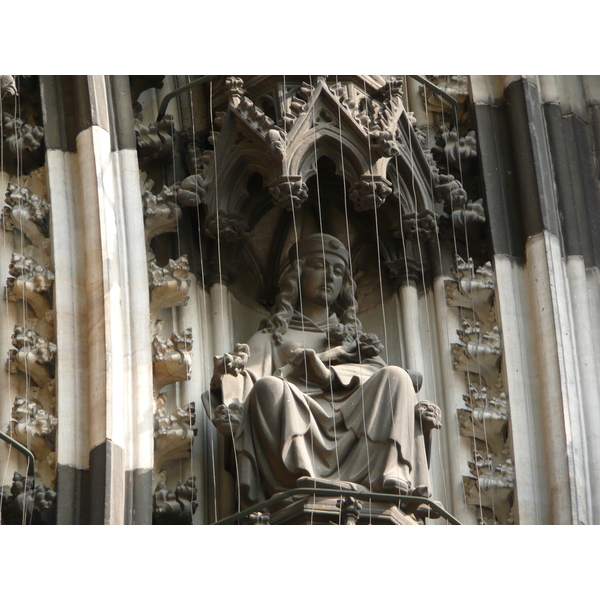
230	363
428	414
339	355
308	364
227	419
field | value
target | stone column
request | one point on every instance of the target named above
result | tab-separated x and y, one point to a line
105	374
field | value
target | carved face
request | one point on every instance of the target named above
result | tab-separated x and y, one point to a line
322	278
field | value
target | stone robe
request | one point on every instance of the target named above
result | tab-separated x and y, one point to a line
361	429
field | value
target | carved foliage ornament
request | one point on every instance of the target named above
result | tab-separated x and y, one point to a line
26	212
171	358
155	141
8	86
20	136
31	282
226	227
34	355
175	507
290	192
168	285
28	503
173	433
370	193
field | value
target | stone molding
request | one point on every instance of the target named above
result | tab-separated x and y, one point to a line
489	485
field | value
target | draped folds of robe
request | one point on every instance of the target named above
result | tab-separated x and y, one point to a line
362	429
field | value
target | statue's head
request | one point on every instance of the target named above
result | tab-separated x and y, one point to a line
322	263
320	270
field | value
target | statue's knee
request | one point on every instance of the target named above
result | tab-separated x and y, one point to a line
267	390
395	373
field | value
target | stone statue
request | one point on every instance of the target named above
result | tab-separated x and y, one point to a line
309	400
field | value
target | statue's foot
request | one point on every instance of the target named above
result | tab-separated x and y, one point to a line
421	491
329	484
391	485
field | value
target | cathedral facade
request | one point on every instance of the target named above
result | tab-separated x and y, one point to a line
148	230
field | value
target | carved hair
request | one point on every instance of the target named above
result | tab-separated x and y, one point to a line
345	306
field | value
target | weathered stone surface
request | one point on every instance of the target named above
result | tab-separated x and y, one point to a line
34	355
226	227
30	282
171	358
168	285
175	507
161	212
20	137
370	193
174	433
290	192
26	212
155	141
27	503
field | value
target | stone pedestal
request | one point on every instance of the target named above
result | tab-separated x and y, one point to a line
310	510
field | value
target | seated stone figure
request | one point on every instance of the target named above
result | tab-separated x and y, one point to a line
309	396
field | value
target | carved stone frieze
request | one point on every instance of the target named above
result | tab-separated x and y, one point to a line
226	227
173	433
384	142
472	289
8	86
190	192
456	86
254	118
235	90
297	104
33	356
468	222
31	282
155	141
491	486
168	285
175	508
290	192
28	503
370	193
33	427
27	213
450	191
453	149
479	353
403	270
161	212
417	226
171	358
20	137
485	418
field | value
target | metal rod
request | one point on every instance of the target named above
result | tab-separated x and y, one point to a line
184	88
23	450
322	492
452	101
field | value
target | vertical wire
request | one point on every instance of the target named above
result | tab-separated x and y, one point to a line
314	127
337	458
6	301
351	268
437	237
422	266
19	176
221	294
378	246
484	426
189	411
177	312
467	372
204	303
299	273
